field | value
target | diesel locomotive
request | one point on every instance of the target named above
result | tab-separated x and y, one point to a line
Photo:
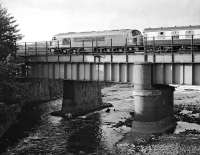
97	41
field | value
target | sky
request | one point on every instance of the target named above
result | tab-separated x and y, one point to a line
39	20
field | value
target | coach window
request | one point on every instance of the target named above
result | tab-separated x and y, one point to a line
161	35
188	34
54	38
175	34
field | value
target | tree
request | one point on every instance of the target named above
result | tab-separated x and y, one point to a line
9	33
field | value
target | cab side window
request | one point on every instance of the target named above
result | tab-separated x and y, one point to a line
66	41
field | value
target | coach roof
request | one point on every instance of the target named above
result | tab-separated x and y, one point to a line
172	28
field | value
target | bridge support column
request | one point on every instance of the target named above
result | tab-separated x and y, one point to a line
80	97
153	103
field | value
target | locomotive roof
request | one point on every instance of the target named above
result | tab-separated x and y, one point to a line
172	28
86	32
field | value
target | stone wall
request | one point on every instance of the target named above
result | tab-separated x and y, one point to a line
16	94
81	96
43	89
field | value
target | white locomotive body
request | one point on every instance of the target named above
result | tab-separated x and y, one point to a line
97	39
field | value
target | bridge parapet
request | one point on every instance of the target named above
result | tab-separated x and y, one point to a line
120	58
167	68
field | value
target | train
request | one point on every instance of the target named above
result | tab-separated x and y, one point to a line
162	39
177	38
97	41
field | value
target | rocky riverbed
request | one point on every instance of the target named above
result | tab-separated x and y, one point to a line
108	131
184	140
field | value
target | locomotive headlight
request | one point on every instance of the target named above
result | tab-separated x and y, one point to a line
54	43
130	40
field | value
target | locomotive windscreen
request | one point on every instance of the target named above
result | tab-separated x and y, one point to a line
135	32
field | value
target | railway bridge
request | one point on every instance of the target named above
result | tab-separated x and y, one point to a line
150	73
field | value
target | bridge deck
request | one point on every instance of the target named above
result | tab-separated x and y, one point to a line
175	68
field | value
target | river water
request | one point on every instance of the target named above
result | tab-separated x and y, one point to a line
38	132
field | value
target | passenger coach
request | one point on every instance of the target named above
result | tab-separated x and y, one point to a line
180	37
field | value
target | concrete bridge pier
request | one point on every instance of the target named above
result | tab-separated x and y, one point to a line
80	97
153	103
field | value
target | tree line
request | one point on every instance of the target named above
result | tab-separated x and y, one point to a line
9	33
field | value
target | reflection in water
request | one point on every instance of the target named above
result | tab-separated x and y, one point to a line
55	135
28	120
54	120
86	134
40	133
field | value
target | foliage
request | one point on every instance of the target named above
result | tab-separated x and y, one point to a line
9	33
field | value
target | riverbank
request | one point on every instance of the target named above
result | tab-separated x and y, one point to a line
184	140
17	94
104	132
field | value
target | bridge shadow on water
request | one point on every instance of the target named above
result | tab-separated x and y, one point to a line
86	135
38	132
26	123
50	134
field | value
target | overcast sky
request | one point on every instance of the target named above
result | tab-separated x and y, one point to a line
41	19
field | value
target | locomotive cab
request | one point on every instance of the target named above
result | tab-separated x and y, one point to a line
135	38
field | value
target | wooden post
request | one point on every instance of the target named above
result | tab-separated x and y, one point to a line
125	48
58	44
36	48
46	50
145	50
83	44
154	44
111	44
172	43
96	45
92	46
192	46
172	48
70	44
154	49
15	53
25	52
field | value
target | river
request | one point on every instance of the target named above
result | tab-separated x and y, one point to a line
38	132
